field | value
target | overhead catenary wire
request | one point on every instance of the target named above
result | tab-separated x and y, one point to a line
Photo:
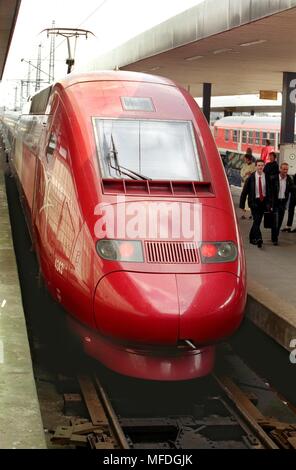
80	24
46	59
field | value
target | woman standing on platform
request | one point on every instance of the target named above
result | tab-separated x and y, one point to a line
266	151
248	168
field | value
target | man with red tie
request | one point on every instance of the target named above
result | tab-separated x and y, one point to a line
256	189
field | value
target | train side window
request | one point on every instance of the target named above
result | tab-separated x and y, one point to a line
245	137
39	101
51	146
235	136
272	138
257	138
264	136
251	137
227	135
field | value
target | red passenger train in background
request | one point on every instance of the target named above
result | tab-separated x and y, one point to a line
234	135
152	305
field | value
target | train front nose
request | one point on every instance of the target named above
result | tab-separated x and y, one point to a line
138	319
164	309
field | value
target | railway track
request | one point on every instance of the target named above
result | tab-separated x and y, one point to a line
102	430
227	418
208	413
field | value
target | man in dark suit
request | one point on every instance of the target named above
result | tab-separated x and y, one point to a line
281	187
291	211
256	189
271	168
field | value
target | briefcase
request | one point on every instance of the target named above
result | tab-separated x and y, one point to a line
269	218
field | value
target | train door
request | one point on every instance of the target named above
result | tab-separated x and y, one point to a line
54	204
63	251
40	175
47	206
61	220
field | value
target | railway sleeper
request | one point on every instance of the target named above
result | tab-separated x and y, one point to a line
83	435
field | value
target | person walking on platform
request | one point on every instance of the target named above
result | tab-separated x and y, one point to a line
247	169
291	211
249	152
266	151
272	168
256	190
281	187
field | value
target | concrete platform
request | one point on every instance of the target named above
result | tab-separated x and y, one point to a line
20	420
271	282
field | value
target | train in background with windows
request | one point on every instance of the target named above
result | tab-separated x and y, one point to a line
234	135
109	166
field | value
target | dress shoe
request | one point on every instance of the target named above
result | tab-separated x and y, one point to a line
287	229
276	243
259	243
293	231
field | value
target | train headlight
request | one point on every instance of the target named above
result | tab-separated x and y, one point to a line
120	250
220	252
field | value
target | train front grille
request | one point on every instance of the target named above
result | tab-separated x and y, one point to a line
171	252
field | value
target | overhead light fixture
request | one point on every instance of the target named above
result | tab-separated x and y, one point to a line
195	57
221	51
153	69
253	43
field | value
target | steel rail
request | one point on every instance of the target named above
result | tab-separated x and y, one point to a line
100	408
246	409
113	420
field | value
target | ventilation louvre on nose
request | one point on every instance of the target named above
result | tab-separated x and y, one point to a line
171	252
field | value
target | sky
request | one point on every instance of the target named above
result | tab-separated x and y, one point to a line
112	22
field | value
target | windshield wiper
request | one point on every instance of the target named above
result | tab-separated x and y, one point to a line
121	170
143	177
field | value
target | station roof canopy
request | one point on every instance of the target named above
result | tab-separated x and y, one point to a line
8	15
240	46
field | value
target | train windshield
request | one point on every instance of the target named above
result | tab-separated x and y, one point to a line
152	150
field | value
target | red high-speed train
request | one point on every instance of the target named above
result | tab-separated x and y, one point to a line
132	221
